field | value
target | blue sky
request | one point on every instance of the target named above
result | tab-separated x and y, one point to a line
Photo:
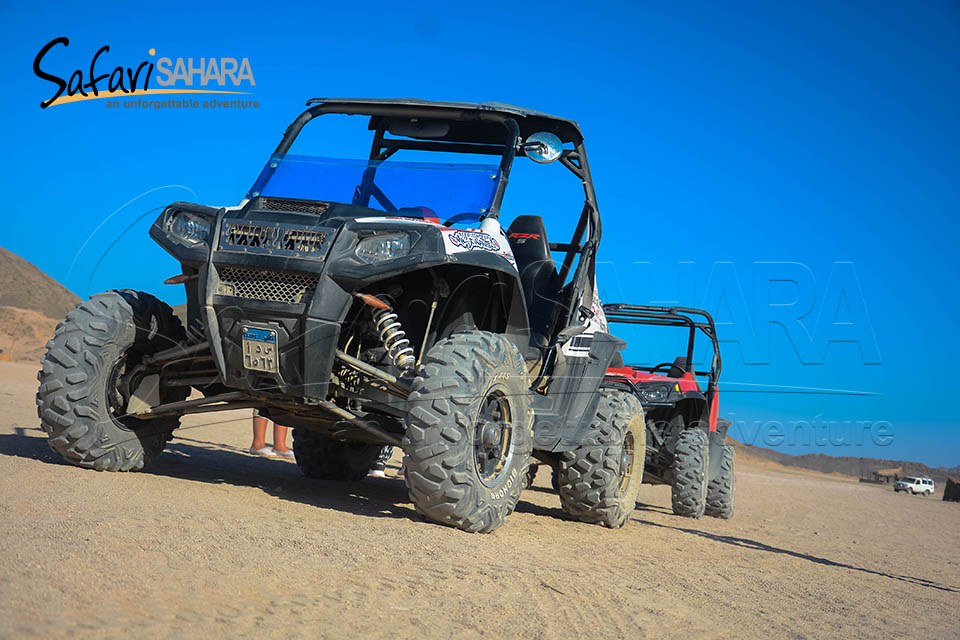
740	152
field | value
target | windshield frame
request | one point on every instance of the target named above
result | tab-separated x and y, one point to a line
383	147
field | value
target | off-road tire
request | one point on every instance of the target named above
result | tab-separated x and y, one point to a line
324	458
690	467
721	492
530	476
590	477
460	375
77	374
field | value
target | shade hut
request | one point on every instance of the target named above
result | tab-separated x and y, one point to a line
887	476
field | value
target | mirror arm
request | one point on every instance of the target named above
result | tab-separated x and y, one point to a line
567	159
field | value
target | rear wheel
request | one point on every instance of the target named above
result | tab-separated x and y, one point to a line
324	458
469	432
92	367
722	490
599	481
690	465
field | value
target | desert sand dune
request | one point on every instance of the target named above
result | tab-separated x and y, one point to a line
212	542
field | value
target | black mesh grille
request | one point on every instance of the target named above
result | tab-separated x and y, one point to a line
266	284
303	206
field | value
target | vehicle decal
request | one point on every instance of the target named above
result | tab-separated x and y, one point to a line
471	240
462	240
599	320
579	346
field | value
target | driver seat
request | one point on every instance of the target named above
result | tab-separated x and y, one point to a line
538	275
679	367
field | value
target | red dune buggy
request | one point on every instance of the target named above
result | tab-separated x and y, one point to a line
685	440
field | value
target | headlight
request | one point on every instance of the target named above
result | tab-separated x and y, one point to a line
383	247
188	227
657	393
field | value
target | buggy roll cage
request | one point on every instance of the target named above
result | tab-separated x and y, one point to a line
490	128
673	317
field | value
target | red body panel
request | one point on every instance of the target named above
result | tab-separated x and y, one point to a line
714	407
687	382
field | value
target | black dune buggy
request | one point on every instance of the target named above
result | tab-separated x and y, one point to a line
685	440
370	303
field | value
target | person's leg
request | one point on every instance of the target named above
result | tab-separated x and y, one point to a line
380	466
280	438
259	433
259	446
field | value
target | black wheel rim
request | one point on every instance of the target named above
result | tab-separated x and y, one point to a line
627	458
125	377
115	387
493	436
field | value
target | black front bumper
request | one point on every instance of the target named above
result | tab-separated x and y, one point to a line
305	348
268	287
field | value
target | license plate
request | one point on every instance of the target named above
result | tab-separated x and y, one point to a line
259	349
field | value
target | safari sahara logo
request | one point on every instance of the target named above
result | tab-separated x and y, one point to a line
170	75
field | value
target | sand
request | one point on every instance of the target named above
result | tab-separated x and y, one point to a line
212	542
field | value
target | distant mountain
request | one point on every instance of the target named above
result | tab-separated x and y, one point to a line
845	465
31	305
24	333
23	286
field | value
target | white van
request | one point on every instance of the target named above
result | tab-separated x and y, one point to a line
922	486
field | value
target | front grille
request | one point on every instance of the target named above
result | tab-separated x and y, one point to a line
303	206
303	241
266	284
258	236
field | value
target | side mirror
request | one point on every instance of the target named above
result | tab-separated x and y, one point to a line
542	147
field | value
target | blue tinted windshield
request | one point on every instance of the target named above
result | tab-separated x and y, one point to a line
436	190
